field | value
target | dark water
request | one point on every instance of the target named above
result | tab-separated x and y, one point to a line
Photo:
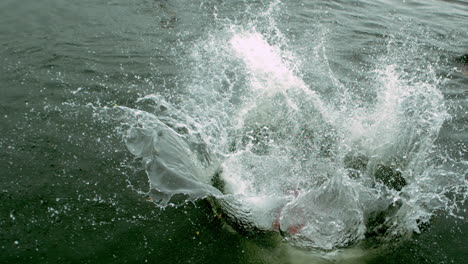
69	186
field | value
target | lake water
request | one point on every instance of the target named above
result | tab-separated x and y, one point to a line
151	131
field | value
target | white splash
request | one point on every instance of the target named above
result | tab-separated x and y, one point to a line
289	160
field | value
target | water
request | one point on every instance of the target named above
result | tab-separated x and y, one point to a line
239	132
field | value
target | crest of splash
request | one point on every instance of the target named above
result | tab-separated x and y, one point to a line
281	151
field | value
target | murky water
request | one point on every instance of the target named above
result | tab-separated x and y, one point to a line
237	132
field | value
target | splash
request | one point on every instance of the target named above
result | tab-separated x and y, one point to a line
274	155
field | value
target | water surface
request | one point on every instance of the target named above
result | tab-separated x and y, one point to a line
383	79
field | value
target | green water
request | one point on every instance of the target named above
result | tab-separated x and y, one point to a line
68	184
